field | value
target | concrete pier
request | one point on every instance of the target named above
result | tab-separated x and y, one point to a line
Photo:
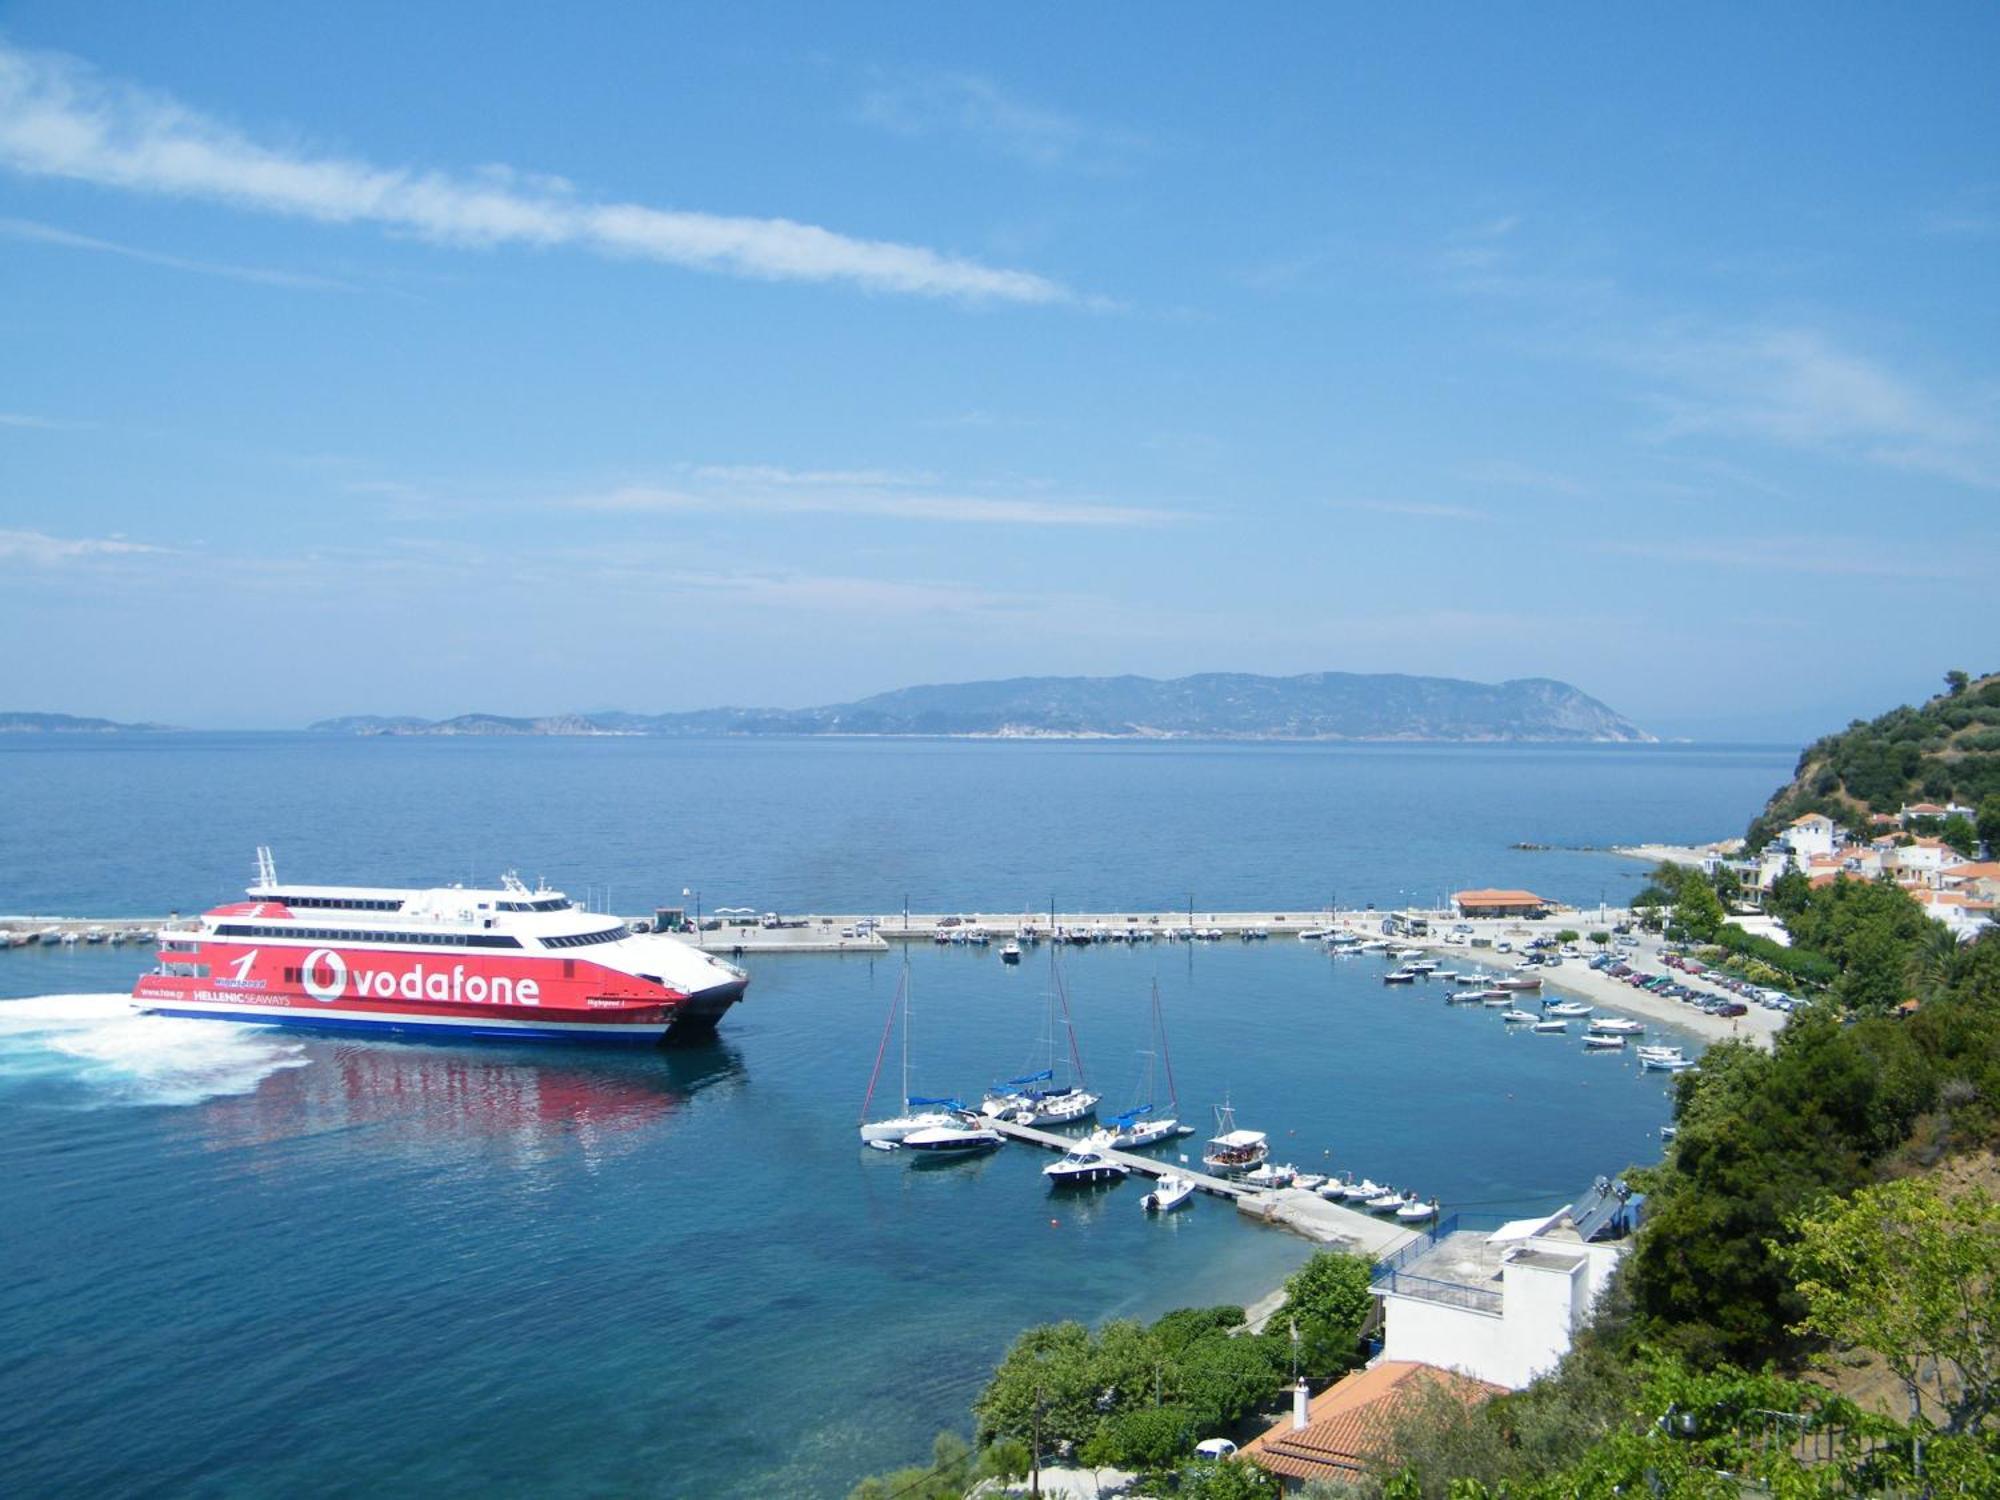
1296	1209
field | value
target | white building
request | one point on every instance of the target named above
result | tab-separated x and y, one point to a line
1810	834
1502	1306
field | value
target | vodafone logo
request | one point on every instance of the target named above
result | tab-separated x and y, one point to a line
324	975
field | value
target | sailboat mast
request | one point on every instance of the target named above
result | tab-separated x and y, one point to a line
1160	1029
882	1047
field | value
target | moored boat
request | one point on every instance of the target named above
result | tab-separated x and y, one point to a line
1082	1167
1174	1189
1231	1152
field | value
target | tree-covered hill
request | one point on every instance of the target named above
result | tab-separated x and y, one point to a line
1946	750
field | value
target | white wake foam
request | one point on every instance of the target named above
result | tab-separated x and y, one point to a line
123	1057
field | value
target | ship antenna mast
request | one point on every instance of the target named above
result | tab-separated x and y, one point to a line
267	867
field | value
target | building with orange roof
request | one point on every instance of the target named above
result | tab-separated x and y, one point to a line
1333	1436
1500	904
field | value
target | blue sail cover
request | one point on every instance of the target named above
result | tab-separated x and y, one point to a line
914	1102
1130	1115
1045	1076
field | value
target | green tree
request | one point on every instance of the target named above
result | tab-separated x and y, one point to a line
1601	939
1913	1275
1568	935
1959	832
1044	1382
1699	910
1988	823
1328	1300
1231	1479
1956	683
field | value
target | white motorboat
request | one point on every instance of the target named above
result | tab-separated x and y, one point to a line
1310	1182
1551	1026
1083	1168
1388	1201
1567	1008
1400	976
918	1114
1413	1212
1406	953
1362	1191
1519	982
1334	1189
1617	1026
1673	1054
1516	1017
1496	999
1174	1189
1010	953
1269	1175
961	1137
1666	1064
1596	1041
1231	1152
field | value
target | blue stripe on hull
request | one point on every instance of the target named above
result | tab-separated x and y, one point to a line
624	1036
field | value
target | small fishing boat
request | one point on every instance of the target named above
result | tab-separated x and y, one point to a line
1084	1168
1010	953
1672	1054
1516	1017
1496	998
1400	976
1597	1042
1232	1152
1388	1201
1519	982
1174	1189
1615	1026
1668	1132
1550	1026
1269	1175
1666	1064
1413	1212
1362	1191
1566	1008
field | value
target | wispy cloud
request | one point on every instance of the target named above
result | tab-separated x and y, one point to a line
48	234
59	118
1511	474
773	474
1422	510
1825	557
39	424
877	504
1797	387
43	550
920	102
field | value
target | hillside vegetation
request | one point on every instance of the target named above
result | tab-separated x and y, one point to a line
1946	750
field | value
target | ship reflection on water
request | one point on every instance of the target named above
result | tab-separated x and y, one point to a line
529	1104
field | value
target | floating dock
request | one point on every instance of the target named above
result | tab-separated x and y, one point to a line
1297	1209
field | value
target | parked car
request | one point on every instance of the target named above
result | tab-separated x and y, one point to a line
1732	1008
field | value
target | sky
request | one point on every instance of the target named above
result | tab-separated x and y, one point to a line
372	358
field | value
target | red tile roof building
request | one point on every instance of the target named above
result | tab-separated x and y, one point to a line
1351	1420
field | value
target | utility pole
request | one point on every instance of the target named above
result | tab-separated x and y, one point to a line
1035	1446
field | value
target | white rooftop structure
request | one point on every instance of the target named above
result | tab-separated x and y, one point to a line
1502	1306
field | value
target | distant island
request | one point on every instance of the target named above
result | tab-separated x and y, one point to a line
31	723
1213	705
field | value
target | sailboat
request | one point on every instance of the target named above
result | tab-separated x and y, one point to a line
1036	1098
1136	1126
918	1114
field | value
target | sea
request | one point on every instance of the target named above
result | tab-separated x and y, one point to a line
238	1261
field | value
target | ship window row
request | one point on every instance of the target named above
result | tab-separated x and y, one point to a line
339	903
558	904
351	935
584	939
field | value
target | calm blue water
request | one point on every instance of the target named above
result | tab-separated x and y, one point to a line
235	1262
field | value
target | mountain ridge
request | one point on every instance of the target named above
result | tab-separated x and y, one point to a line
1209	705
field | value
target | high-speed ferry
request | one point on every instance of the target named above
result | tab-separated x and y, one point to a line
448	962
